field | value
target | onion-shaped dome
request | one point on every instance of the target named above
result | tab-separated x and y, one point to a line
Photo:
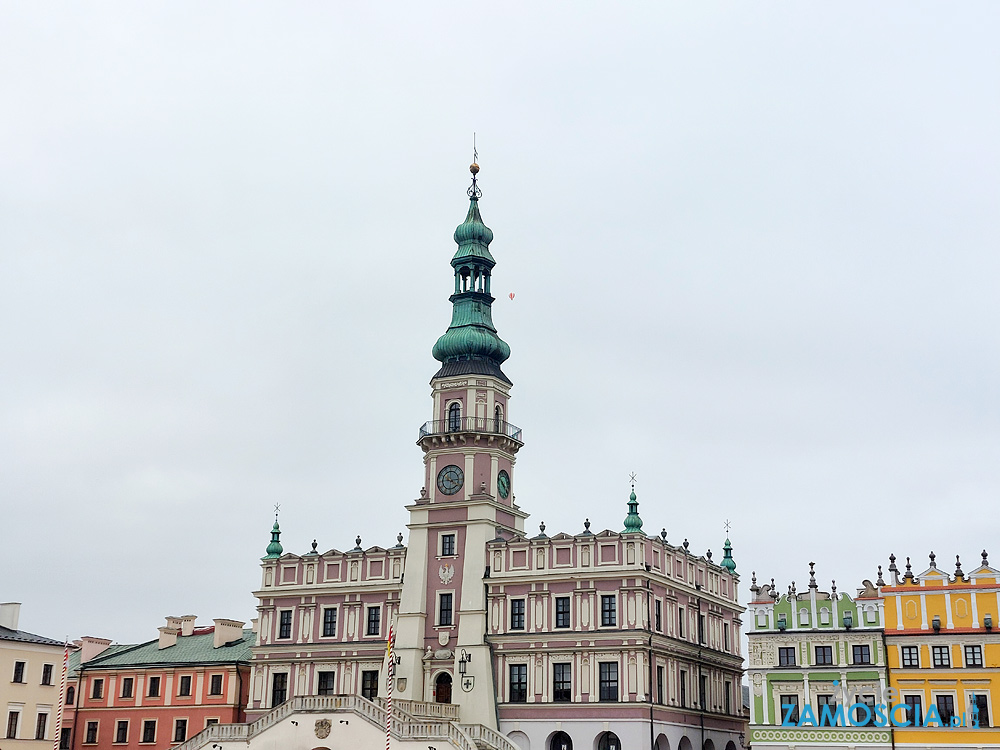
727	560
632	521
274	548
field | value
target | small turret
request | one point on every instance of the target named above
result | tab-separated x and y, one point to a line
633	524
274	548
727	557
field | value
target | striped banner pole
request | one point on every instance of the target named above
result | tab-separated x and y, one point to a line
392	675
62	694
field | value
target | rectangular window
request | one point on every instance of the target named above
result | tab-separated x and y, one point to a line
444	610
562	683
369	684
215	685
562	611
945	707
46	674
861	654
279	689
701	628
12	718
910	656
40	724
285	624
725	635
149	730
180	730
154	687
702	691
210	722
121	732
658	616
374	620
659	686
973	656
608	671
447	545
826	710
914	709
824	655
680	622
326	683
517	614
786	656
97	688
128	684
18	672
981	709
518	683
70	695
684	688
869	718
942	656
609	610
728	697
789	709
184	688
329	622
64	736
91	736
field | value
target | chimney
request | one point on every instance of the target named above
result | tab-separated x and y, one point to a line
91	647
9	614
255	625
168	637
227	631
187	624
174	622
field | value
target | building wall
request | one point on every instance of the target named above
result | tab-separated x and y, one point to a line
29	698
961	604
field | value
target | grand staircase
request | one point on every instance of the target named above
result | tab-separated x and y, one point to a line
411	721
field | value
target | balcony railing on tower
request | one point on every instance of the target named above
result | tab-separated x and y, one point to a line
486	425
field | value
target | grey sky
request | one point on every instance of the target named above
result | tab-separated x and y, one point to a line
753	247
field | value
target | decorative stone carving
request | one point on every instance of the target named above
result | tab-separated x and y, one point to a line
443	653
443	637
323	727
446	572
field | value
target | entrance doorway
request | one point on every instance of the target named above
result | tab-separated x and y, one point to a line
442	688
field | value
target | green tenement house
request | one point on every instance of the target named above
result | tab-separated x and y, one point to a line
812	655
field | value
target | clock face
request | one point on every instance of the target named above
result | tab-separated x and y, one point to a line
503	484
450	479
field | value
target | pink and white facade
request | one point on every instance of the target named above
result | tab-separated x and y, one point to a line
594	641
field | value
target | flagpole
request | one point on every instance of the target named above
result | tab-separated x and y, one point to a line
62	694
392	672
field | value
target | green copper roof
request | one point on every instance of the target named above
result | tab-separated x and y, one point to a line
632	521
274	548
189	649
727	557
472	337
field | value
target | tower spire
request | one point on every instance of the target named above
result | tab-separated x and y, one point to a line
471	344
632	521
274	548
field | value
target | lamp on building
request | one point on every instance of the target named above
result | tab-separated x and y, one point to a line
463	661
936	623
988	621
848	620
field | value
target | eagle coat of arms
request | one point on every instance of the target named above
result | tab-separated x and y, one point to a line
446	572
323	727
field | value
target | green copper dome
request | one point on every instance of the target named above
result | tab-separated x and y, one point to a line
274	548
727	557
632	521
471	343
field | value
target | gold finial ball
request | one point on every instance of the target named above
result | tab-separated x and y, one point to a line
474	168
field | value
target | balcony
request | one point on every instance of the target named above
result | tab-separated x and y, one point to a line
478	425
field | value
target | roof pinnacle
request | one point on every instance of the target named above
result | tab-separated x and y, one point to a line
633	523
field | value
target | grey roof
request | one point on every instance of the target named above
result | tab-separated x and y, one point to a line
472	367
6	634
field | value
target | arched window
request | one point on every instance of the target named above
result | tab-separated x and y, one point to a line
560	741
442	688
454	417
70	695
497	419
609	741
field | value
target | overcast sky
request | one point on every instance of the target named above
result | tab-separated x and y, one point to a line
754	248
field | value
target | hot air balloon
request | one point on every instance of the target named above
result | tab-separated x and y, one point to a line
512	295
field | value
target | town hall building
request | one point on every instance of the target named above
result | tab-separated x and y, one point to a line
503	639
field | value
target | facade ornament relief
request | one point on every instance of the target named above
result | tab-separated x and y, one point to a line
446	572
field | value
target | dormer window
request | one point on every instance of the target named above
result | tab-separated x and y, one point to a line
454	417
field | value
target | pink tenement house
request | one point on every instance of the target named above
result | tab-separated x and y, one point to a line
503	641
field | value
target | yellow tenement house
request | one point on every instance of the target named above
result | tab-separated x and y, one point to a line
943	654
